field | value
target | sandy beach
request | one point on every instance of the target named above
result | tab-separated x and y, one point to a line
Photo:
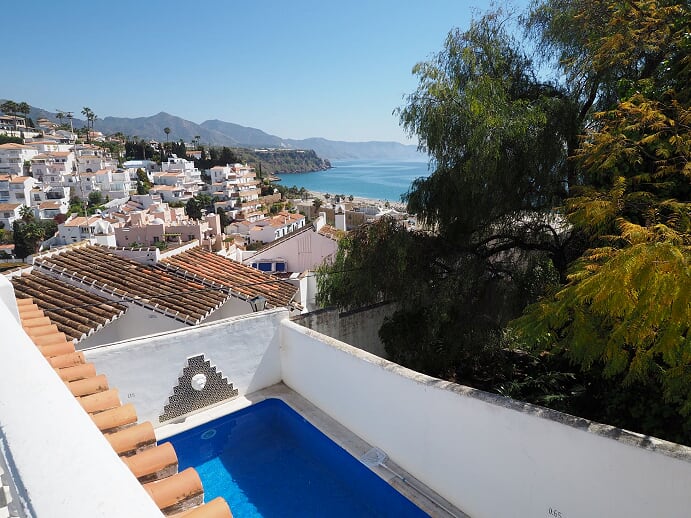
360	201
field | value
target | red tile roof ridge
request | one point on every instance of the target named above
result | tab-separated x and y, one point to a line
174	492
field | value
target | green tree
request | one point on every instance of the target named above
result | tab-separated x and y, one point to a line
95	198
626	308
201	204
496	136
90	118
12	109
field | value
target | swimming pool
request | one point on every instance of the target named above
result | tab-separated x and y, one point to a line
266	460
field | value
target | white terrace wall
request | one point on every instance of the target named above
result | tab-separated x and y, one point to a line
488	455
359	328
244	349
58	460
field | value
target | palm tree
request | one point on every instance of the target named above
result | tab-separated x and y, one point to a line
90	118
26	213
197	138
166	130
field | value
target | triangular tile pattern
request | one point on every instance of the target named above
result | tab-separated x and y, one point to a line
186	399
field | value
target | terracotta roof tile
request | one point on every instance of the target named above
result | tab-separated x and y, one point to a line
85	312
170	493
95	267
173	492
243	281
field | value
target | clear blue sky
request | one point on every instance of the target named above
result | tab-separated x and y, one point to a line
295	69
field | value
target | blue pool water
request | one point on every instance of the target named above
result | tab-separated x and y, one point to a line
267	460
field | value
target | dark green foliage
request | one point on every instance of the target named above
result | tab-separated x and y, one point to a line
201	204
573	196
4	139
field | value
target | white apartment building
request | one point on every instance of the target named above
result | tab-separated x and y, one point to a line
79	228
9	212
270	229
186	167
54	168
14	156
49	146
92	163
237	186
16	189
49	201
111	183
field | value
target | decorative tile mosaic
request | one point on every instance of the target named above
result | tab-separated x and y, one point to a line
186	399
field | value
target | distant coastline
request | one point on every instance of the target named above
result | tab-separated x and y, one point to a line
378	180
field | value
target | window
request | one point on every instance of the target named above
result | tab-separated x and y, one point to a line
264	267
280	267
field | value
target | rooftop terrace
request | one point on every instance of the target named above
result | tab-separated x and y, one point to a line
482	454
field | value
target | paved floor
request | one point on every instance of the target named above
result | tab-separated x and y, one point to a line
404	482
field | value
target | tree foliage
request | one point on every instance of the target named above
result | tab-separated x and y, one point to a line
626	307
562	186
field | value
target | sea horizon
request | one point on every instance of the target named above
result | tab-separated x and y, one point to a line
385	180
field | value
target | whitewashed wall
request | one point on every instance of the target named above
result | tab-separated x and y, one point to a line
60	462
303	251
244	349
488	455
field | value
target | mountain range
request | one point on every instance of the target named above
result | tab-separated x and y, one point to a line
221	133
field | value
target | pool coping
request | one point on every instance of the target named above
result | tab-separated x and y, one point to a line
406	484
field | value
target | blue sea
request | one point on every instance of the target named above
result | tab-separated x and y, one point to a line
378	179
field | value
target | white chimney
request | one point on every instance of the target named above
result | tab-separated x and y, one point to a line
341	221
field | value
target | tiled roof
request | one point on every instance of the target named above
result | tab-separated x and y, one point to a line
155	466
176	297
9	206
49	205
243	281
21	179
77	313
331	232
12	145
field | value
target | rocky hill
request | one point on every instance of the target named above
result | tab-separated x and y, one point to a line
221	133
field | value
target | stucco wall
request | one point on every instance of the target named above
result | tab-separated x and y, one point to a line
488	455
358	328
145	370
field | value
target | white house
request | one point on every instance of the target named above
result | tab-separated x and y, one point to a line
9	212
238	189
79	228
302	250
13	158
275	227
54	168
16	189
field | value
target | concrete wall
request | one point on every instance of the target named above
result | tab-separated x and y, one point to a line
145	370
60	463
358	328
488	455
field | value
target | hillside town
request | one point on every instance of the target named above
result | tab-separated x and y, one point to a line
97	197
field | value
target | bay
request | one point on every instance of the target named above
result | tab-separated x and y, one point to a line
376	179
